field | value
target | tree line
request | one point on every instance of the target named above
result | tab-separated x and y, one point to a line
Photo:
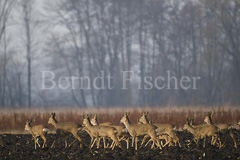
193	38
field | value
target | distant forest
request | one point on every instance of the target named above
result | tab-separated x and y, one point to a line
193	38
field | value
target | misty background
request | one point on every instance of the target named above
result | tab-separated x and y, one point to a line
84	37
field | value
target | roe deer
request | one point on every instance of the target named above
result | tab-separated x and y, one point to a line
203	132
95	122
122	133
167	129
191	122
221	126
167	139
37	131
101	131
65	128
136	130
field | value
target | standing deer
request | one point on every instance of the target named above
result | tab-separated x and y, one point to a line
191	122
136	130
202	132
221	126
37	131
95	122
121	130
65	128
101	131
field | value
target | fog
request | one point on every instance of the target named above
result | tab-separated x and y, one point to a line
93	53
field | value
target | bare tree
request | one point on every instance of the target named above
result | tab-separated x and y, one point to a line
6	6
27	15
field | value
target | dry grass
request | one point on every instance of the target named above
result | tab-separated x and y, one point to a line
13	121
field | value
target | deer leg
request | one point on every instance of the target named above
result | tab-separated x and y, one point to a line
217	140
98	142
144	139
234	140
38	142
107	144
112	144
56	137
120	139
53	144
78	138
220	143
66	142
213	139
91	145
148	142
124	139
115	142
127	141
197	142
91	140
35	143
204	142
104	142
136	140
44	141
90	134
72	143
158	144
179	144
167	142
133	139
153	143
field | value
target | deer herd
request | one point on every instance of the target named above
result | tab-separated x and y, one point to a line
157	134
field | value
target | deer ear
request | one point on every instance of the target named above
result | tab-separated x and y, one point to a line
128	113
29	122
191	121
146	113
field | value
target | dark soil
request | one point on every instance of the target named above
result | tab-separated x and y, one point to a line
22	147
